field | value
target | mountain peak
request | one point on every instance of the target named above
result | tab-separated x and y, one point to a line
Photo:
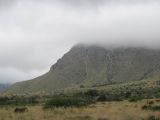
91	65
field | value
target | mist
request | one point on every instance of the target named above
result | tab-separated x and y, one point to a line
34	34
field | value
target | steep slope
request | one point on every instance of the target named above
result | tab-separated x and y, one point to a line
92	66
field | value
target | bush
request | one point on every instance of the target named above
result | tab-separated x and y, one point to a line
102	118
4	101
134	99
108	97
145	107
68	102
152	117
102	98
153	108
150	102
18	100
21	109
91	93
82	86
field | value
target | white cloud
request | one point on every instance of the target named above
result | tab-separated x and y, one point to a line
11	75
35	33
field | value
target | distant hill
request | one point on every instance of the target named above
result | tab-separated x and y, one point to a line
3	87
93	65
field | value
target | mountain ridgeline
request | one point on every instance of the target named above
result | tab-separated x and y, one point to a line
92	65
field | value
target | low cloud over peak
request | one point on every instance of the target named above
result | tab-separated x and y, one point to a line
35	33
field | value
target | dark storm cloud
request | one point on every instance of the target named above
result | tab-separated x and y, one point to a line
35	33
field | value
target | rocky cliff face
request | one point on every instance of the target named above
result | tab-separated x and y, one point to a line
95	65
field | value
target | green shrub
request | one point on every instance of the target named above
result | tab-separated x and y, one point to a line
91	93
102	98
18	100
68	102
102	118
145	107
153	108
82	86
150	102
108	97
20	109
135	99
152	117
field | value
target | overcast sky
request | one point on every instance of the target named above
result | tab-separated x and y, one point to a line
35	33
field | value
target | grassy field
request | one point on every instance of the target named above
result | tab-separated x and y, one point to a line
123	110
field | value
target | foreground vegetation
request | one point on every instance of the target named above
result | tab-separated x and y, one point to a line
139	100
122	110
88	105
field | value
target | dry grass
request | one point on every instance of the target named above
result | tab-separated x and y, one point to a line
101	111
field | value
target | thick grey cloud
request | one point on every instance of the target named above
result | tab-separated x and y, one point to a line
35	33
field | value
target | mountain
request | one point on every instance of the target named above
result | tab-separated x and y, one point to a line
3	87
91	65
